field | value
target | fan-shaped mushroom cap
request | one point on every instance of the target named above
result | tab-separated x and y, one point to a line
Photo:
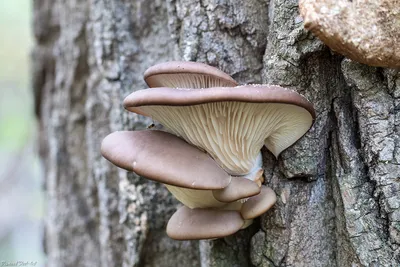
230	124
189	224
164	158
237	189
186	74
259	204
367	31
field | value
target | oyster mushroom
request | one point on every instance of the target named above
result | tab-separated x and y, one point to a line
165	158
365	31
192	177
229	123
186	74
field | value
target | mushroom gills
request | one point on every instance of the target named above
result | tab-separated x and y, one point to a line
235	132
187	80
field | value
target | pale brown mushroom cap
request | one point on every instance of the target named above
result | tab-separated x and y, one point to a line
237	189
231	124
367	31
185	97
164	158
186	74
193	224
259	204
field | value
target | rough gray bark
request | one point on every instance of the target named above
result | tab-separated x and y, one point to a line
338	188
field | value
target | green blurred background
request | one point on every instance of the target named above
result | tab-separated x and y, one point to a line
21	197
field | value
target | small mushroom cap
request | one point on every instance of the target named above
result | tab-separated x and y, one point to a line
229	123
164	158
193	224
186	74
259	204
367	31
237	189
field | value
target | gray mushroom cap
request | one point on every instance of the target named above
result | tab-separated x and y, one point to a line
192	224
186	74
164	158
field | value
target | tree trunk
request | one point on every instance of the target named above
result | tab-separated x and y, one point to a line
338	188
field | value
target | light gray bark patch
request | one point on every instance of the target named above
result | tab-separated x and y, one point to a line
376	117
71	223
229	251
228	35
299	230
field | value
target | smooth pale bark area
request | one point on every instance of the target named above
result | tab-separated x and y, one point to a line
338	188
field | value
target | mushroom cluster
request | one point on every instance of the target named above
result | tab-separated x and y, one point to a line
209	157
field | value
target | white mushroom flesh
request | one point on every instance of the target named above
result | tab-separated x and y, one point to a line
234	132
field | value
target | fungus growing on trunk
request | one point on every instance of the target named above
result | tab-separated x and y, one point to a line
211	158
192	177
365	31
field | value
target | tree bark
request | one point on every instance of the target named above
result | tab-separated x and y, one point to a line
338	187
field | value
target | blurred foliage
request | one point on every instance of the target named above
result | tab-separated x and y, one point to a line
16	118
21	199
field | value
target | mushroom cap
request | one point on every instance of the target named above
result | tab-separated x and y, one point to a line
231	124
237	189
193	224
186	74
373	37
164	158
259	204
